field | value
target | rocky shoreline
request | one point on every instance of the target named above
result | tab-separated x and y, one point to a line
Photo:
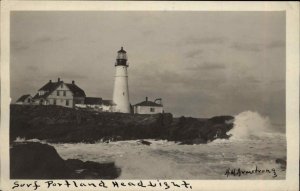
32	160
56	124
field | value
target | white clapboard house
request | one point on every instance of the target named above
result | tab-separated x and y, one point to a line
59	93
67	95
149	107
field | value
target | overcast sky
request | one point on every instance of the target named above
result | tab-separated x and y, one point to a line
201	64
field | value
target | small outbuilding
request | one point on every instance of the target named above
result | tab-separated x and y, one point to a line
97	104
149	107
24	100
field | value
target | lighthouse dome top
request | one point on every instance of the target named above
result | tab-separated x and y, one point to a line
122	50
122	54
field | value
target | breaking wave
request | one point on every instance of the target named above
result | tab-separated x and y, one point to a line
249	124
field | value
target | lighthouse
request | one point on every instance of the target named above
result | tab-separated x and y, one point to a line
121	92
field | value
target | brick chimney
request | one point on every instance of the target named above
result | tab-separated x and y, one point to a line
73	82
146	98
58	79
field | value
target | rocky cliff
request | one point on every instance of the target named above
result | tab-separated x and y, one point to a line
60	124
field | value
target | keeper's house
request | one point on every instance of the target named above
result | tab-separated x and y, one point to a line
66	95
59	93
149	107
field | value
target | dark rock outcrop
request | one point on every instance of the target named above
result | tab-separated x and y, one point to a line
35	160
144	142
189	130
30	160
60	124
93	170
281	162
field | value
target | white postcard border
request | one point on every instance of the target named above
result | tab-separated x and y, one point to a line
292	78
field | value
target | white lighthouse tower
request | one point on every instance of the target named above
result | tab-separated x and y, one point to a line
121	93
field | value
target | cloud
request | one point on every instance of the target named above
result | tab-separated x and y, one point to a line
32	68
251	79
21	45
279	81
47	39
208	66
204	40
18	46
255	47
73	76
147	32
193	53
43	39
276	44
241	46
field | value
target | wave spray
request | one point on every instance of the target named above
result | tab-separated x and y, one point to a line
249	124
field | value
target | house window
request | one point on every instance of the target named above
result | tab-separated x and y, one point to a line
67	102
65	93
54	101
61	85
152	109
57	93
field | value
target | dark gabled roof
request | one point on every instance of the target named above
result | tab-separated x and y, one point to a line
77	91
148	103
37	96
23	97
51	86
93	100
48	88
108	102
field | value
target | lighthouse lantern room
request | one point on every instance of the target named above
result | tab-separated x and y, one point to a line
121	58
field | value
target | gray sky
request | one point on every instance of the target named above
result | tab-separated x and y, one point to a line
201	64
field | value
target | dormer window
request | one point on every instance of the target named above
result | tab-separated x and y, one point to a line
41	93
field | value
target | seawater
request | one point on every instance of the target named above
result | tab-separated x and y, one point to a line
252	146
168	160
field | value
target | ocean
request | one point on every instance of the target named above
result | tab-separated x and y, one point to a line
250	153
169	160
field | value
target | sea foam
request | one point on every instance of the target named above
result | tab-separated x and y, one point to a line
249	124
